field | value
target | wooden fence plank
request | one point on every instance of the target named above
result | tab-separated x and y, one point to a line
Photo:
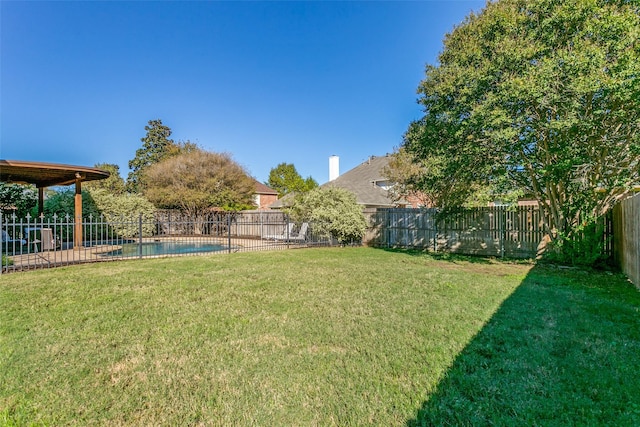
490	231
626	237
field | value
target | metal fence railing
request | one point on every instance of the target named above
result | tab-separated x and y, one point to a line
30	243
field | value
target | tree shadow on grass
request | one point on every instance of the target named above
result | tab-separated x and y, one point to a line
452	257
563	349
440	256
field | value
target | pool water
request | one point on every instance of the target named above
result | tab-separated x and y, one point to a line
165	248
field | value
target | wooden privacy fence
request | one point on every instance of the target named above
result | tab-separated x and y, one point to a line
626	229
491	231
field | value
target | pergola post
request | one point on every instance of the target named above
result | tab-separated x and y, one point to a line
77	234
40	201
44	175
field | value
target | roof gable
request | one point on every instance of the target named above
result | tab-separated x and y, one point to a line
365	182
264	189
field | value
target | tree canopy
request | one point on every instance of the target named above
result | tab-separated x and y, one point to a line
17	198
156	146
197	181
285	179
114	184
540	96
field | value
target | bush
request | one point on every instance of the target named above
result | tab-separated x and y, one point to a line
62	204
584	246
122	212
6	261
333	212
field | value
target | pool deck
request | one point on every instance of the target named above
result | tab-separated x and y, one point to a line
54	258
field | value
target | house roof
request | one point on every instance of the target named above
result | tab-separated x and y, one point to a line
263	189
284	201
364	181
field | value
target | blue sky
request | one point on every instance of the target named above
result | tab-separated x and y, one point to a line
267	82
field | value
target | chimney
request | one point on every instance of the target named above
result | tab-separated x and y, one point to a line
334	167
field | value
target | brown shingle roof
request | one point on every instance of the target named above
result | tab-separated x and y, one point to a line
263	189
364	180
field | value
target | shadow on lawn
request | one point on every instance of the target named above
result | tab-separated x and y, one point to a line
442	256
563	349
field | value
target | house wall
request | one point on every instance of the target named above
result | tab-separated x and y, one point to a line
264	200
414	201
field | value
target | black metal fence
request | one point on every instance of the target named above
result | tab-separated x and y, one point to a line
29	243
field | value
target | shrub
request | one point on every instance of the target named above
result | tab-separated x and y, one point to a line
122	212
583	246
6	261
62	203
333	212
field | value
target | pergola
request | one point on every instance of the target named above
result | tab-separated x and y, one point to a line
51	174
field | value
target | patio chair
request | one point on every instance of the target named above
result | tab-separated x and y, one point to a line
42	239
9	245
301	235
298	237
286	233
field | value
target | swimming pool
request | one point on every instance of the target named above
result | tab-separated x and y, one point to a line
164	248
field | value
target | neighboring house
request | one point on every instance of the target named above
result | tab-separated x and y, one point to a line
523	201
264	196
367	182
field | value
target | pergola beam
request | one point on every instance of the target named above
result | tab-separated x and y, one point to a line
48	175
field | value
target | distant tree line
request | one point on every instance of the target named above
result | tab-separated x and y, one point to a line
166	174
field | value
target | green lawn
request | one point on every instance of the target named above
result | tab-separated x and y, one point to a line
335	336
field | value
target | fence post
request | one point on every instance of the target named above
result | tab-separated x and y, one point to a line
140	236
387	220
503	234
4	245
287	230
229	231
261	224
434	218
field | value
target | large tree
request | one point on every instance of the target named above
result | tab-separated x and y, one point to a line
156	146
285	179
197	181
114	184
537	95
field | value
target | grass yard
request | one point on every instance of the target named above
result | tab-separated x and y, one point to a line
334	336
